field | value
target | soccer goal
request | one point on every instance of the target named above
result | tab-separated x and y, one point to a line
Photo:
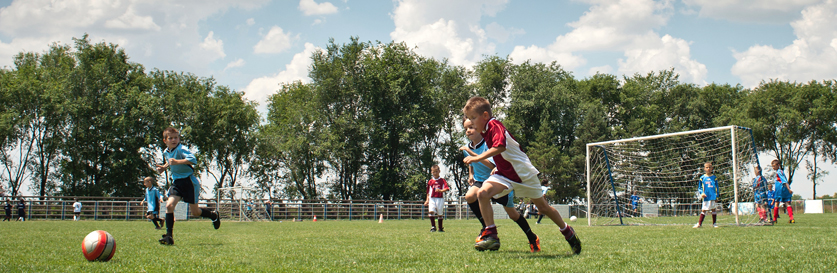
241	204
664	171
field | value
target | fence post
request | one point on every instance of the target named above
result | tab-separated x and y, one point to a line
127	209
63	205
351	205
399	211
29	215
96	211
325	211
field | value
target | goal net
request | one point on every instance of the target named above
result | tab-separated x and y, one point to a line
241	204
663	172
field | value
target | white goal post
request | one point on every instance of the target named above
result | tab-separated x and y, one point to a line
663	170
241	204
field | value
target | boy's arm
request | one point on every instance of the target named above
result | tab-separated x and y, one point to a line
484	161
489	153
471	179
446	188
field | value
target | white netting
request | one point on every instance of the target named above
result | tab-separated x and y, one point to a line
664	171
241	204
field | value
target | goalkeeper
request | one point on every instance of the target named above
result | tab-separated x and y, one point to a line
708	190
760	194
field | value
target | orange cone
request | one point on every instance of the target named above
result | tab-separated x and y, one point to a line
315	218
381	220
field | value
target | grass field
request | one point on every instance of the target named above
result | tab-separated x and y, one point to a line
406	245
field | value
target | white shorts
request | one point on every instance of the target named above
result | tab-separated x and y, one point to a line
436	205
708	205
529	188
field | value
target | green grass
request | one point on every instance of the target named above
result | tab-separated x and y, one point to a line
406	245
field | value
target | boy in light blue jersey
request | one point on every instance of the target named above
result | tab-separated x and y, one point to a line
153	198
478	172
760	194
185	185
708	190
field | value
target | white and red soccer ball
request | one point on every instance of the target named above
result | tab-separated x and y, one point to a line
99	246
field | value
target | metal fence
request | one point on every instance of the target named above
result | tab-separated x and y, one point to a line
130	208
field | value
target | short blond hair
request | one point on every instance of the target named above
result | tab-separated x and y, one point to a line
170	131
478	104
434	168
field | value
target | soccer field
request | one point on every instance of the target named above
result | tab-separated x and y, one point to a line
406	245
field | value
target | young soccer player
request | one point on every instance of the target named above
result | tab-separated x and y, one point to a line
153	198
708	190
21	210
513	171
186	185
783	193
76	209
478	172
436	188
8	209
760	194
634	203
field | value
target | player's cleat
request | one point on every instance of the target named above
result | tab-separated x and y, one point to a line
166	240
535	246
696	226
158	228
217	222
715	225
488	243
574	242
479	236
441	230
792	221
433	229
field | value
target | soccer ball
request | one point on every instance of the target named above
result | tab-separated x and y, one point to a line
99	245
573	218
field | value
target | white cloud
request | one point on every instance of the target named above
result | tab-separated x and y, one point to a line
626	26
605	69
758	11
452	32
317	22
214	47
237	63
297	70
309	7
812	56
251	21
275	41
129	20
162	34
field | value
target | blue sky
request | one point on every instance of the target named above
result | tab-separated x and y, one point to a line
255	45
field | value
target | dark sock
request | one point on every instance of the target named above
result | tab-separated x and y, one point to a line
441	227
433	221
567	231
524	225
714	218
700	221
154	220
169	223
539	218
475	207
206	213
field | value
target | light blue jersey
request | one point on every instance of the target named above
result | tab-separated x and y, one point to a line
152	197
481	172
709	187
180	170
782	193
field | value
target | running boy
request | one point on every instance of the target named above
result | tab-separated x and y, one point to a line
436	188
153	198
783	193
76	209
771	201
708	190
478	172
185	187
513	171
21	210
8	209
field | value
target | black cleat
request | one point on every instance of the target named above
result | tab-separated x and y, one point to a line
166	240
575	244
216	223
441	230
433	229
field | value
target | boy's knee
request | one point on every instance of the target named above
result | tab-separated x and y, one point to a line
470	197
484	194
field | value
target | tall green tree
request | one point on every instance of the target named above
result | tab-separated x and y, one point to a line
109	126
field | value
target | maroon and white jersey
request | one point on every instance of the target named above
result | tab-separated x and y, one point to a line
512	163
436	184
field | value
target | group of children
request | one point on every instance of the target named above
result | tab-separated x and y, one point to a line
498	170
21	210
767	200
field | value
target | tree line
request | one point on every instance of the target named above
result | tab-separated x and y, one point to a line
84	120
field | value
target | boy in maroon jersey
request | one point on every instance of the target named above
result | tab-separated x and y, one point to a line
436	188
513	171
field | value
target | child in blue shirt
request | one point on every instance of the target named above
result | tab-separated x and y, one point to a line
153	198
708	190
